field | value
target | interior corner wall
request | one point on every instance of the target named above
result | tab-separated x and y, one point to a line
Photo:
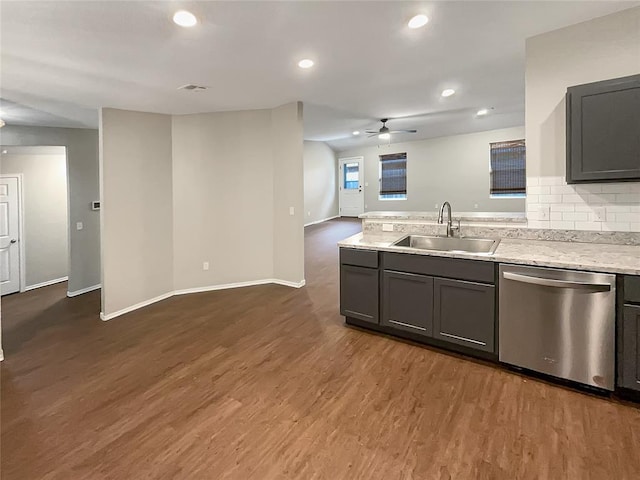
320	182
45	213
82	168
222	198
136	210
288	185
599	49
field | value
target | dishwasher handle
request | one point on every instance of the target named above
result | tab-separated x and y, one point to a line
550	282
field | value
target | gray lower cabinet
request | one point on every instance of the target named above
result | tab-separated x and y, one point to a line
464	313
407	302
630	371
359	293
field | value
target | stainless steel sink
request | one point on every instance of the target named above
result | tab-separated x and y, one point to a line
486	246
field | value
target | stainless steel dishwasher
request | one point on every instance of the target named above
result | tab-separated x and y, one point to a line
558	322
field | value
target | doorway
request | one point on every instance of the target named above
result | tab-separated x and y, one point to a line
11	254
351	191
34	225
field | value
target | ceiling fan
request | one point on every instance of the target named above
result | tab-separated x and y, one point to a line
384	133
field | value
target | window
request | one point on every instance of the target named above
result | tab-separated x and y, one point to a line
351	172
393	176
508	174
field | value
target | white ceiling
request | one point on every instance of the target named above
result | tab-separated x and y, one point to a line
61	61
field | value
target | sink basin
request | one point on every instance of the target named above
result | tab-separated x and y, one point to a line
486	246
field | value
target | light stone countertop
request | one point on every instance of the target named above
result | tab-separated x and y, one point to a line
595	257
497	217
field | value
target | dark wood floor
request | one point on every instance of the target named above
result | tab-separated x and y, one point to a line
267	383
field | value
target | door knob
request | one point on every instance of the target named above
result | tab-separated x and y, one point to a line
13	240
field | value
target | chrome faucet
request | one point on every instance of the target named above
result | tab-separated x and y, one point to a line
450	227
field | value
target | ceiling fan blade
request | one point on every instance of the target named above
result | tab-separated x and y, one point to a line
371	131
403	131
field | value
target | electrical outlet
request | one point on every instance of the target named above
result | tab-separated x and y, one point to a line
475	205
544	212
387	227
79	226
292	211
600	214
308	214
205	265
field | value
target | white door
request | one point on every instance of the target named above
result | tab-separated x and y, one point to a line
351	182
9	236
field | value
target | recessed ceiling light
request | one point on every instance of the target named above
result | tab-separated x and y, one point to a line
447	92
306	63
184	18
418	21
384	136
356	132
482	111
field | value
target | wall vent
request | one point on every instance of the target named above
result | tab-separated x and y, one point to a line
192	87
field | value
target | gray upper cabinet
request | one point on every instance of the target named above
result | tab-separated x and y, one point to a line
603	131
407	302
464	313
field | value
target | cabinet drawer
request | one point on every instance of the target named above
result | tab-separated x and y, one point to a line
631	289
359	258
472	270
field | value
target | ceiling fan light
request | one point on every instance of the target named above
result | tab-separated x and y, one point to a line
384	136
418	21
356	132
447	92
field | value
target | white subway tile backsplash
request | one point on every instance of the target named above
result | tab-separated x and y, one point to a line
560	225
616	188
598	207
575	216
551	181
571	198
535	190
562	207
597	226
616	226
561	189
550	198
626	217
630	198
601	198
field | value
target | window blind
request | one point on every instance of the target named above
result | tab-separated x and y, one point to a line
508	167
393	177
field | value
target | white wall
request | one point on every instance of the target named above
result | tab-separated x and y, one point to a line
82	166
137	208
183	190
222	198
603	48
454	169
45	214
288	202
320	182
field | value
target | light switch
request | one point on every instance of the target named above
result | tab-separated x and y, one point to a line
291	211
205	265
79	226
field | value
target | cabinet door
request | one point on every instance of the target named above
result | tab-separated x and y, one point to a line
631	347
359	293
407	302
603	120
464	313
